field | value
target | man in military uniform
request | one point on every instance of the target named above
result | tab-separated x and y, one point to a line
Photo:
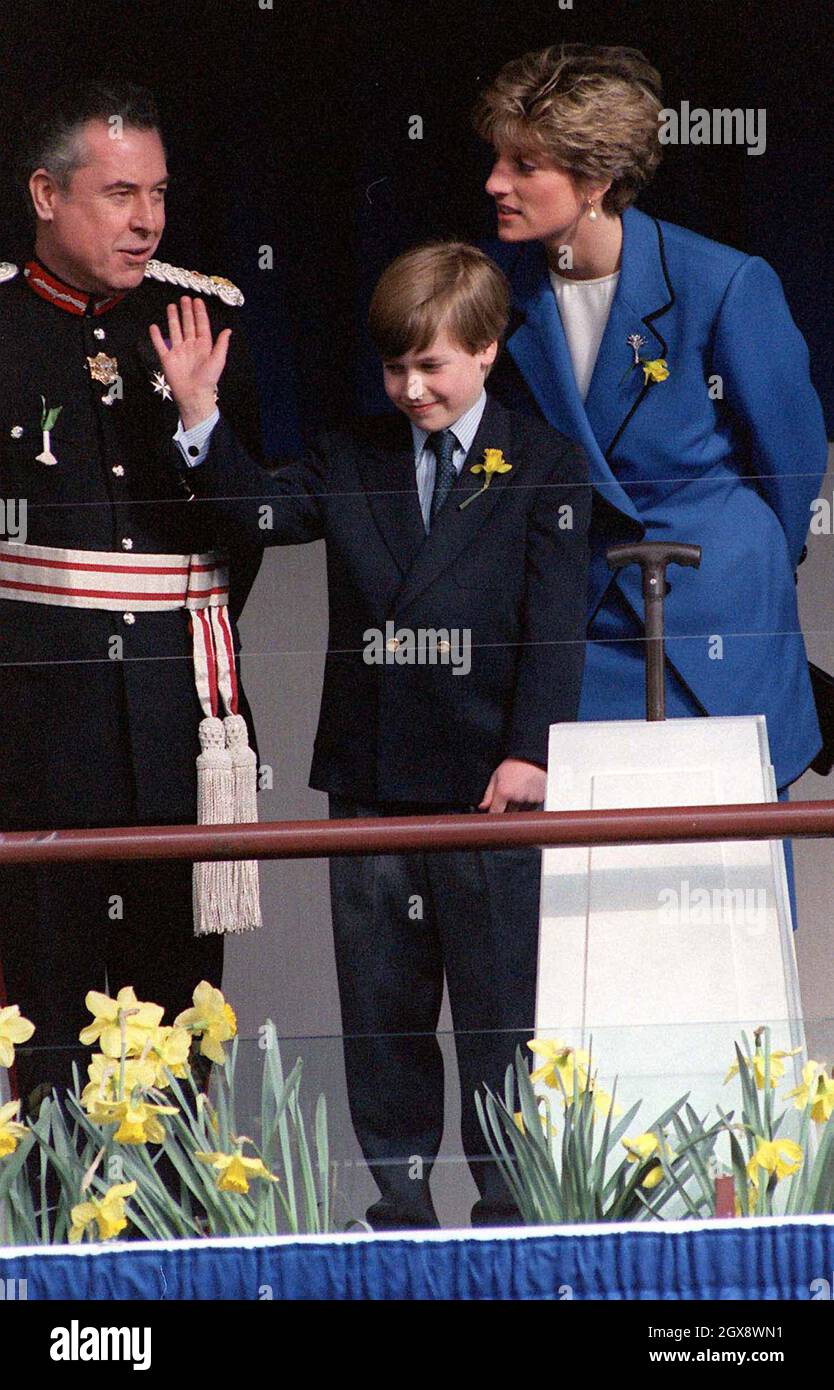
99	708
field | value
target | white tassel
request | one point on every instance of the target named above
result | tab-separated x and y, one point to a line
212	879
247	903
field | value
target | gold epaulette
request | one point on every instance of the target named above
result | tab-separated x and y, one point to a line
193	280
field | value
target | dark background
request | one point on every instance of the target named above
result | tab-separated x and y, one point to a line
289	128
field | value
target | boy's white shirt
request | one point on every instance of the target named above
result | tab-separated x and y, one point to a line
464	429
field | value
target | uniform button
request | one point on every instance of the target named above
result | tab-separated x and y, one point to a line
392	644
98	332
107	400
128	618
127	543
118	470
193	450
444	646
16	431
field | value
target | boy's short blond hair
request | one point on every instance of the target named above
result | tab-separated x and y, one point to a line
591	110
441	285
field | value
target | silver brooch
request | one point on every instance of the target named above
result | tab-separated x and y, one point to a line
635	342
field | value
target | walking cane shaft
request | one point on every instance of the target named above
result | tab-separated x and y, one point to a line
653	557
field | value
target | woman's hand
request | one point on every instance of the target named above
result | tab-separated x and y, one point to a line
514	785
194	363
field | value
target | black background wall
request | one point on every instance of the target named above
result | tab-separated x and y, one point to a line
288	127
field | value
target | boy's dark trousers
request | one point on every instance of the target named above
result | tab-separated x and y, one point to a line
399	922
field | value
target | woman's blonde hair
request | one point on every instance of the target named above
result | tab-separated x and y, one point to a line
592	110
442	284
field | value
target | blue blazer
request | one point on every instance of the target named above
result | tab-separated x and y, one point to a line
727	452
505	568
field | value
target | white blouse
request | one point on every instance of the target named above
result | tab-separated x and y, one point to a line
584	306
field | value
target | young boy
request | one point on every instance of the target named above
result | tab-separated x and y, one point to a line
456	562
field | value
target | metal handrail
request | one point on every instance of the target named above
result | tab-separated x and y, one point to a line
316	839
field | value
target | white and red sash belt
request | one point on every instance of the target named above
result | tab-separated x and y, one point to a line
226	895
119	581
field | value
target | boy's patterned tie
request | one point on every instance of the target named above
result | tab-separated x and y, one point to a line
442	444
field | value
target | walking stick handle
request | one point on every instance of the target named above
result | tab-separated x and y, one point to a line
653	557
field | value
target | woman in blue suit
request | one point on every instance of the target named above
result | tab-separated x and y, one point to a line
675	362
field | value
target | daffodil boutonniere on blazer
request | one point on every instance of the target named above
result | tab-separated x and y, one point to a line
494	462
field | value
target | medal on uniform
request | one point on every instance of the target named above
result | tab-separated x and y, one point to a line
160	386
48	418
103	368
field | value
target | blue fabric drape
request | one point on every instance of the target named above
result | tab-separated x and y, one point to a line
753	1259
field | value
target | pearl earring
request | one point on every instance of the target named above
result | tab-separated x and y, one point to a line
592	212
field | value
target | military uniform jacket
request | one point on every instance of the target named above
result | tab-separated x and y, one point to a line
98	731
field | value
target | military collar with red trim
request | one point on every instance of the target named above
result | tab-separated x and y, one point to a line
64	296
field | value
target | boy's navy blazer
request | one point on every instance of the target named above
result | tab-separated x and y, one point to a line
510	569
727	453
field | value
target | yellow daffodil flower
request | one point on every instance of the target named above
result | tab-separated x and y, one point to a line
569	1066
137	1119
168	1050
108	1016
655	370
752	1198
235	1170
822	1099
10	1131
602	1101
779	1156
777	1067
642	1148
104	1073
211	1018
13	1029
494	462
560	1063
816	1091
108	1213
139	1124
547	1127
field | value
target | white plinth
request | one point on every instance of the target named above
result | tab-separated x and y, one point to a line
661	953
